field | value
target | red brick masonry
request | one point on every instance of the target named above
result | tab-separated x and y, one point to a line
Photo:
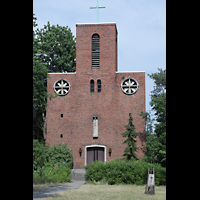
111	105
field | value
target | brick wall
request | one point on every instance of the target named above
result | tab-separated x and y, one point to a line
108	47
111	106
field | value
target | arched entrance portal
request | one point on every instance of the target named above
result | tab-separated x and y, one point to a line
95	153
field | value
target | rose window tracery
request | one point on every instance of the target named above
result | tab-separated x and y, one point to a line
129	86
61	87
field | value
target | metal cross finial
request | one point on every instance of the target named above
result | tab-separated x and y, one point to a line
97	7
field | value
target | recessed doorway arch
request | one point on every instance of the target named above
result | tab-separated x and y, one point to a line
96	152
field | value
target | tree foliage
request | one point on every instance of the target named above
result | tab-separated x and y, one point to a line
159	79
148	122
44	159
131	134
59	153
44	156
58	46
156	142
54	50
40	72
39	75
159	104
40	154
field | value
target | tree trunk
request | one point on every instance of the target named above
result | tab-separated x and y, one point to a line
150	187
44	126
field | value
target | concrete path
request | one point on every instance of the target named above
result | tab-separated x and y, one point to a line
54	190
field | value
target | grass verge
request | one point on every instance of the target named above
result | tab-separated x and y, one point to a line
107	192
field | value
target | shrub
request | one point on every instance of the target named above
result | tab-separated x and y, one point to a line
123	171
95	171
160	174
58	175
61	174
40	154
58	154
43	155
140	172
44	159
117	170
36	177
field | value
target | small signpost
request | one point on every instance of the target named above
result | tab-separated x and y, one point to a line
150	187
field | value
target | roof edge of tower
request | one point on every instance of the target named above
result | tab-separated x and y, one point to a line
97	24
101	23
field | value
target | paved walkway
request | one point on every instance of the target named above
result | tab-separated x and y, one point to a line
54	190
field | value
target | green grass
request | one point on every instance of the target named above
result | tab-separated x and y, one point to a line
110	192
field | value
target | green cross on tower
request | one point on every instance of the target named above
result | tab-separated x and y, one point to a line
97	7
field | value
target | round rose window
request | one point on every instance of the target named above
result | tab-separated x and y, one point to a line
61	87
129	86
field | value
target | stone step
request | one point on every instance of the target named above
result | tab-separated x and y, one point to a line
78	174
78	177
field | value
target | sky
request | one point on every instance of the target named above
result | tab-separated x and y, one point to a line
141	26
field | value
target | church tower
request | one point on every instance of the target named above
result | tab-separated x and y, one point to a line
93	103
97	46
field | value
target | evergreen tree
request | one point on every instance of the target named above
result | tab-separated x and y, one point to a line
129	151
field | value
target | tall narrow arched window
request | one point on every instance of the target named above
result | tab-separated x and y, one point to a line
92	86
95	51
98	85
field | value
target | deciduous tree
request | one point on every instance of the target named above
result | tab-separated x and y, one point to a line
156	141
54	50
58	46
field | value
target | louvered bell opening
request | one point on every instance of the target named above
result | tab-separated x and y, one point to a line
95	51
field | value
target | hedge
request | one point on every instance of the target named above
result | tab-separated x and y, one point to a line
124	172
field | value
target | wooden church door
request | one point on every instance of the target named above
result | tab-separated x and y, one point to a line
95	154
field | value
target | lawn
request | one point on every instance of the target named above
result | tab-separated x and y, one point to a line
110	192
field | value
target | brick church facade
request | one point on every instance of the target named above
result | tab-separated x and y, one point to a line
93	103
